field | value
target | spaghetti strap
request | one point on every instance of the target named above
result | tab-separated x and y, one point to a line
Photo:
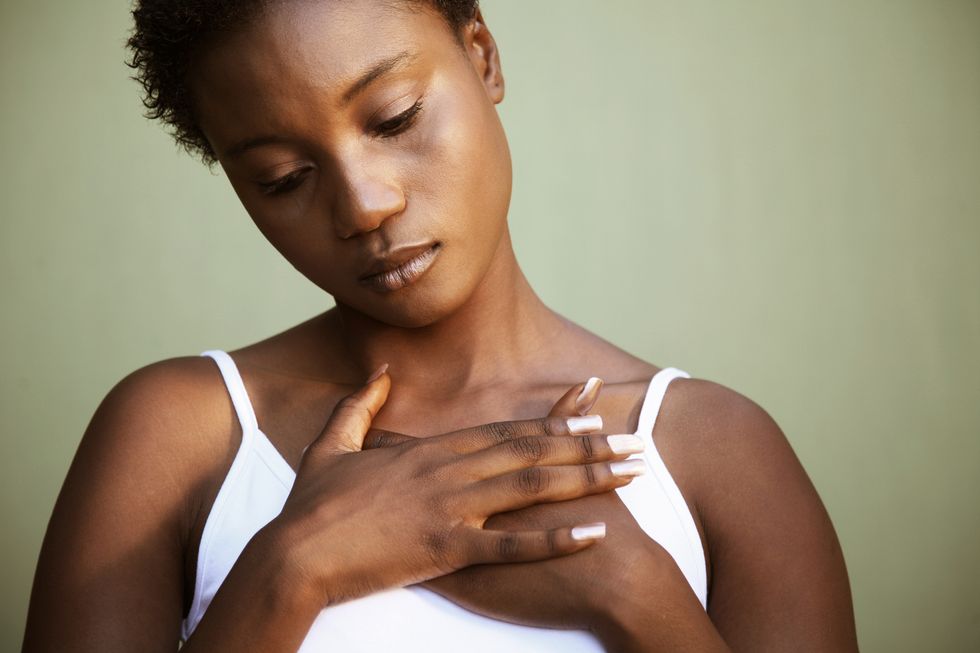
236	389
654	398
658	500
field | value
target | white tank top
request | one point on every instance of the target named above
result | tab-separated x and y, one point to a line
414	618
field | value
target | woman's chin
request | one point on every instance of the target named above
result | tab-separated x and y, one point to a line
411	307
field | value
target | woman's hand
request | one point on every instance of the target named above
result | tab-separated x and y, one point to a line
395	516
604	589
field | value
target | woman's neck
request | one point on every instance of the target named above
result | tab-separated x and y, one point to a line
501	328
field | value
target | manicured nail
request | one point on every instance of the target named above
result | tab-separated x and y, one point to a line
377	374
626	443
587	398
585	424
585	532
628	468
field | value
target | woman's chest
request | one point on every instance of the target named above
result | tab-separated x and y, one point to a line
294	414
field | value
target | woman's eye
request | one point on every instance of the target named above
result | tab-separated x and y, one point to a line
285	184
389	128
400	123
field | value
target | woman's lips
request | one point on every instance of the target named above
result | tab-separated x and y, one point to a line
406	273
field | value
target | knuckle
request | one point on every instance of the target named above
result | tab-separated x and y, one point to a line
554	426
407	450
421	473
551	542
531	481
350	407
529	450
426	468
508	546
445	543
591	479
439	547
348	402
587	449
499	431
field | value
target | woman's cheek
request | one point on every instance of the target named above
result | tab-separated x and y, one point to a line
463	154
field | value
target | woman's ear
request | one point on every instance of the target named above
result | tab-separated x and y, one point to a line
483	53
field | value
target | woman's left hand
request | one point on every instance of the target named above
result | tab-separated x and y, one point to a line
612	589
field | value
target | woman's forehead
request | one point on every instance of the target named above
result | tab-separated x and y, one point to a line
328	45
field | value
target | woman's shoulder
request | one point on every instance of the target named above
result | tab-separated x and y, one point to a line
182	404
183	378
713	411
715	434
170	395
175	411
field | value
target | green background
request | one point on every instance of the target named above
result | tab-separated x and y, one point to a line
785	194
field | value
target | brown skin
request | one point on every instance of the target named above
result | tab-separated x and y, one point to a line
469	343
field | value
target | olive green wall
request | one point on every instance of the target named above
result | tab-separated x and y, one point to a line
786	195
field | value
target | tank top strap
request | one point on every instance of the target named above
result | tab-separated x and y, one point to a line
654	398
236	390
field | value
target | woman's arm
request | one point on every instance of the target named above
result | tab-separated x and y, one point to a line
110	573
778	579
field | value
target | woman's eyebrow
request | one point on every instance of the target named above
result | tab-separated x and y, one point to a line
376	70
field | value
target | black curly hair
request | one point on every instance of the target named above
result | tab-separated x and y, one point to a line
167	34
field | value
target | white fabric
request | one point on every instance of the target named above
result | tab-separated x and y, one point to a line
413	618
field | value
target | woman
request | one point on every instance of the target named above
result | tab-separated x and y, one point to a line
273	500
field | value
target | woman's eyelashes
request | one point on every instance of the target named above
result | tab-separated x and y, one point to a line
284	184
401	122
387	129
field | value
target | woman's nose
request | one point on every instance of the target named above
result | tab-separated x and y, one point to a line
370	199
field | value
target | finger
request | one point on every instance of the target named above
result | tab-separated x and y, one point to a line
489	547
381	439
534	485
579	400
547	451
351	419
481	437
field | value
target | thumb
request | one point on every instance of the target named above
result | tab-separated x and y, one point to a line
351	419
579	400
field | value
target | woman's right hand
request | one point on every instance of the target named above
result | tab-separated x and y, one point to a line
357	522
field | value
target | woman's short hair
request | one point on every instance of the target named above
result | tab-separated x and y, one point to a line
167	34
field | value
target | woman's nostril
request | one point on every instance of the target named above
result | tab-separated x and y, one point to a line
369	207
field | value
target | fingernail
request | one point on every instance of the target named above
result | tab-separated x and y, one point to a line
587	398
585	532
625	443
628	468
377	374
579	425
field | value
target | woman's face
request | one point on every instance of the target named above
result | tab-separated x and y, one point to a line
358	134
